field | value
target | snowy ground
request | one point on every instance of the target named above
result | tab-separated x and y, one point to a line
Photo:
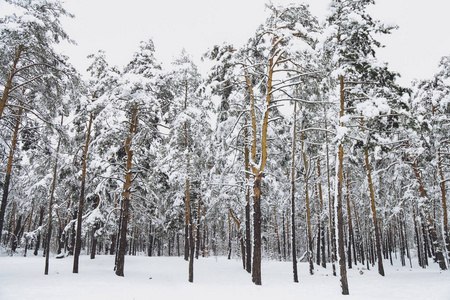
215	278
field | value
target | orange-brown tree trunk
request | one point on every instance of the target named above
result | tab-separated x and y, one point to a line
8	85
126	195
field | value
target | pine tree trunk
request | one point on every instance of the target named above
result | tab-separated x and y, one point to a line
50	205
38	239
229	236
122	249
240	236
294	250
321	227
277	235
339	213
444	204
9	166
8	85
374	211
308	211
331	212
351	239
248	241
431	225
76	255
284	237
256	268
198	235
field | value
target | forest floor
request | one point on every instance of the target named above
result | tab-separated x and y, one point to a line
214	278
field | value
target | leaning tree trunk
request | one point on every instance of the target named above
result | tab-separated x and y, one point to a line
50	204
122	244
76	255
9	166
12	73
240	236
374	215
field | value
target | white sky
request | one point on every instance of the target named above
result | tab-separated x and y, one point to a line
196	25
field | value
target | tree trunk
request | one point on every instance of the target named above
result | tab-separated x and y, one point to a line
126	197
321	227
308	211
9	166
431	224
351	238
276	233
248	242
331	212
339	213
444	203
294	250
76	255
256	269
50	204
240	235
198	235
374	215
8	85
229	236
38	239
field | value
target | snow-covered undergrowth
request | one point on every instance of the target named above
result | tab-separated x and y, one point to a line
215	278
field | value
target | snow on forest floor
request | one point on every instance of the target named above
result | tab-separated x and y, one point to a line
214	278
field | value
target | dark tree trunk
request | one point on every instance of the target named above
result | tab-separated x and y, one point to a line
76	255
38	239
293	242
248	241
256	268
50	205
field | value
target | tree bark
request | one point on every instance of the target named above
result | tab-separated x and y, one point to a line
256	269
248	242
444	203
50	205
76	255
351	238
308	211
321	227
339	213
8	85
331	212
126	196
374	215
294	250
9	170
277	235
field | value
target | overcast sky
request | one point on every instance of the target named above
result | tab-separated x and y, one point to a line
196	25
